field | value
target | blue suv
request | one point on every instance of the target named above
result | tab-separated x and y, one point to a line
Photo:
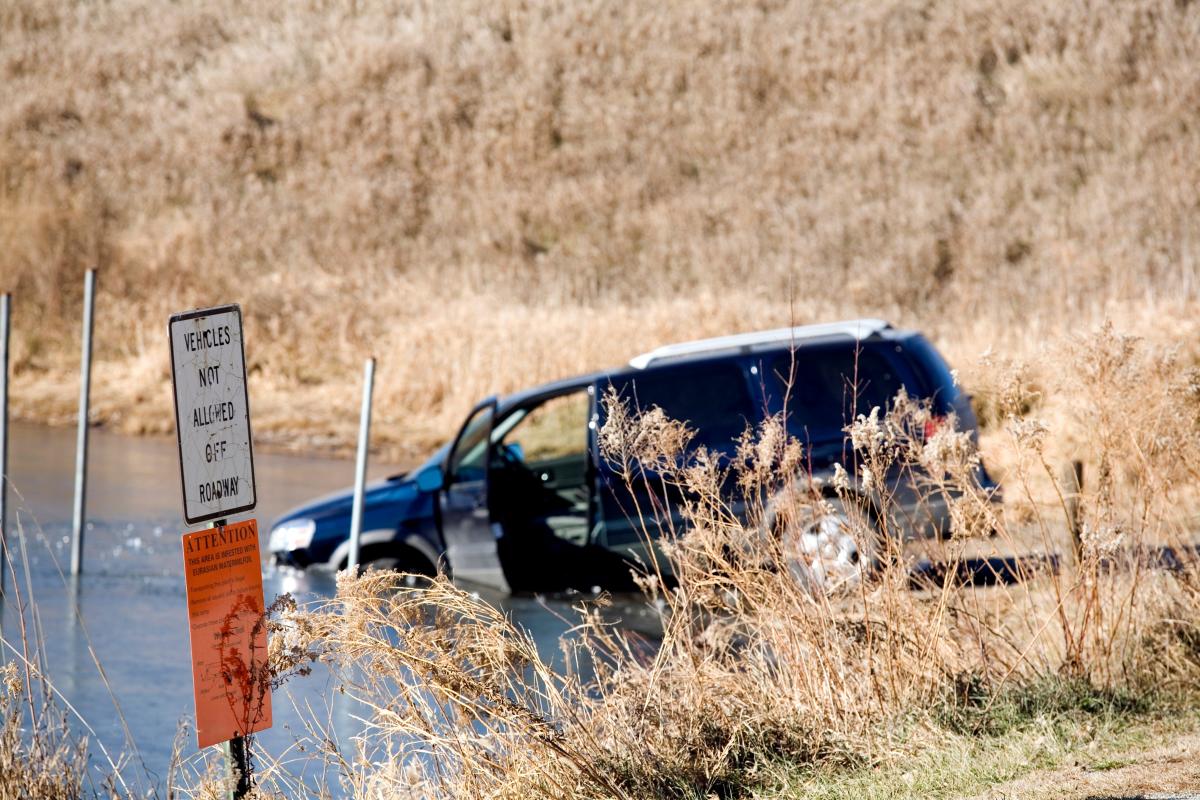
521	499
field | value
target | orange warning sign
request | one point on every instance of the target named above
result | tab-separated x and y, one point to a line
229	634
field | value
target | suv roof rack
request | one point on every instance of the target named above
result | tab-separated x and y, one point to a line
745	342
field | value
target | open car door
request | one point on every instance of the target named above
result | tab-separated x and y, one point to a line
467	526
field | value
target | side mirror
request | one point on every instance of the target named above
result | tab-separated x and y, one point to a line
430	479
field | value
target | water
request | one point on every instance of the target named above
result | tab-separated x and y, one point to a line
131	596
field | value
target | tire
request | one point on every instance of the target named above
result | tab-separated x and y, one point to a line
827	546
397	558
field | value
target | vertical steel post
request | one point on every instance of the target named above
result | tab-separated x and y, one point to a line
237	754
360	467
81	441
5	324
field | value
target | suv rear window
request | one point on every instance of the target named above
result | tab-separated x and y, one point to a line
830	386
712	399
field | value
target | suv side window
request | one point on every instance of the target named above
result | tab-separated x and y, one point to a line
713	399
830	386
556	429
467	460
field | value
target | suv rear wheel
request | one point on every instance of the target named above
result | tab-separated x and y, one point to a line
827	545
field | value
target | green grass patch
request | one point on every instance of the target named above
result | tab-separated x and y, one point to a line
974	710
965	749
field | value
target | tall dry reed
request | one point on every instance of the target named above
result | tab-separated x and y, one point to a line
768	660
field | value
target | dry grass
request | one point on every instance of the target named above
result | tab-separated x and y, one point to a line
490	194
764	683
40	757
766	678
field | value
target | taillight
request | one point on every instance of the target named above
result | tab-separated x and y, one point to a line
933	425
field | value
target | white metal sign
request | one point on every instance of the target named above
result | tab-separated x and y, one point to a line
212	413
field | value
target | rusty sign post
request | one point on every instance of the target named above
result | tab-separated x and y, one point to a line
226	612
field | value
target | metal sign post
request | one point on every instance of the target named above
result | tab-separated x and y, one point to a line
360	467
237	756
81	438
221	564
237	762
5	324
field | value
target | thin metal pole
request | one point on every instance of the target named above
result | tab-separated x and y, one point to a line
5	324
81	440
237	754
360	467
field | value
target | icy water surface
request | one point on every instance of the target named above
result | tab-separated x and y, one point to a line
131	596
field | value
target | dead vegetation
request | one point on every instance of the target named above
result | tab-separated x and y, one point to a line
489	194
765	678
41	758
766	683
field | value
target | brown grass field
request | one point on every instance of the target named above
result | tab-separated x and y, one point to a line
485	195
763	686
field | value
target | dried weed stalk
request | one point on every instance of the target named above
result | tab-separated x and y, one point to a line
762	660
